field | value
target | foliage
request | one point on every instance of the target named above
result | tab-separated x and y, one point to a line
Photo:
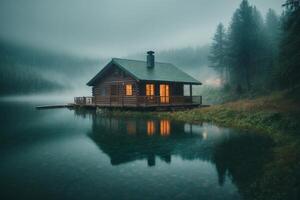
288	72
218	53
250	49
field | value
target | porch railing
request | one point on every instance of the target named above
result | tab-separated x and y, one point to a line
84	100
139	100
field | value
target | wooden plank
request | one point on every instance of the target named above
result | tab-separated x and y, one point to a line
55	106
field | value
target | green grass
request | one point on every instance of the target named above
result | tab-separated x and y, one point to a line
271	114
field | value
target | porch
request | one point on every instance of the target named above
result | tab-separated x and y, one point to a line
139	101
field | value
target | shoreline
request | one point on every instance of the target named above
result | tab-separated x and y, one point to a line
274	115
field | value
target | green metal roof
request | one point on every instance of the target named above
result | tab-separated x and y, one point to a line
138	70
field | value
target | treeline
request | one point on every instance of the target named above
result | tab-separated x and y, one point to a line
257	53
188	57
26	70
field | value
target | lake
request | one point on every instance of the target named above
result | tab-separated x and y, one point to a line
79	154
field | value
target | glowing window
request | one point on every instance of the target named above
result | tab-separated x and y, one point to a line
149	89
164	92
128	89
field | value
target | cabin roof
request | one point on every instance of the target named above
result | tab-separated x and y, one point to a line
139	70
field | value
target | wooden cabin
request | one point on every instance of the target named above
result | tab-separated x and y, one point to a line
134	83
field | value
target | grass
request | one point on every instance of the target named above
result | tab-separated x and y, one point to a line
272	114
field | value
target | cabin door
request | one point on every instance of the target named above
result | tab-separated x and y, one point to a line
164	93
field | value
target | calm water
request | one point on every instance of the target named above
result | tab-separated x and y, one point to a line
67	154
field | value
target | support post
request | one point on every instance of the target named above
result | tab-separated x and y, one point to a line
191	93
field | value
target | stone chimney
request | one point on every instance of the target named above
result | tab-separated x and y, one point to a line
150	59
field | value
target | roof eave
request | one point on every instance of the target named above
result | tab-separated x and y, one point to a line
124	69
95	78
184	82
91	82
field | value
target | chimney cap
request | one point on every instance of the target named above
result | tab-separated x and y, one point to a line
150	52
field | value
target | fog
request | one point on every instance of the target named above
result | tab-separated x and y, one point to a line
58	45
114	28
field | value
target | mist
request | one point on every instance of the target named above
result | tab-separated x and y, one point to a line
57	46
116	27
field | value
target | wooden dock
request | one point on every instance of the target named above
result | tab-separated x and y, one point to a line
69	105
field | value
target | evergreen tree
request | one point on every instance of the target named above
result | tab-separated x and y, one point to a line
245	46
272	31
258	49
217	56
289	54
239	42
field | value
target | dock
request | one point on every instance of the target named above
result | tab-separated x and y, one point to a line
69	105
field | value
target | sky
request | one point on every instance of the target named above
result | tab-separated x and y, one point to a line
114	28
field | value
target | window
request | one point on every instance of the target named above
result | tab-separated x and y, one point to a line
149	89
164	92
128	89
103	91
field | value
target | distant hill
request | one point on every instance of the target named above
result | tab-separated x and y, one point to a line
26	70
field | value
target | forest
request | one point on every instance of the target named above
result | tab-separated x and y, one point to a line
257	54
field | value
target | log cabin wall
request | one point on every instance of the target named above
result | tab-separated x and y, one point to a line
111	88
177	89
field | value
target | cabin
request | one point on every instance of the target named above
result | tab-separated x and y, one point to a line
141	84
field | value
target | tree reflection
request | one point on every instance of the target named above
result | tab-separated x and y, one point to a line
241	157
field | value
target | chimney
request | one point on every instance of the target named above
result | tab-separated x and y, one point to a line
150	59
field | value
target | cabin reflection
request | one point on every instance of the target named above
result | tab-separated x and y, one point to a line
150	127
126	140
131	127
129	139
165	127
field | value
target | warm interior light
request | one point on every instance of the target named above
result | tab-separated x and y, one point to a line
128	89
164	127
164	93
149	89
150	128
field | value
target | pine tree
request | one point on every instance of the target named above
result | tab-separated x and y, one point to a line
272	31
258	49
217	56
239	43
289	54
245	46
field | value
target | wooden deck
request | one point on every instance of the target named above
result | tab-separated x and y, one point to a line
139	101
